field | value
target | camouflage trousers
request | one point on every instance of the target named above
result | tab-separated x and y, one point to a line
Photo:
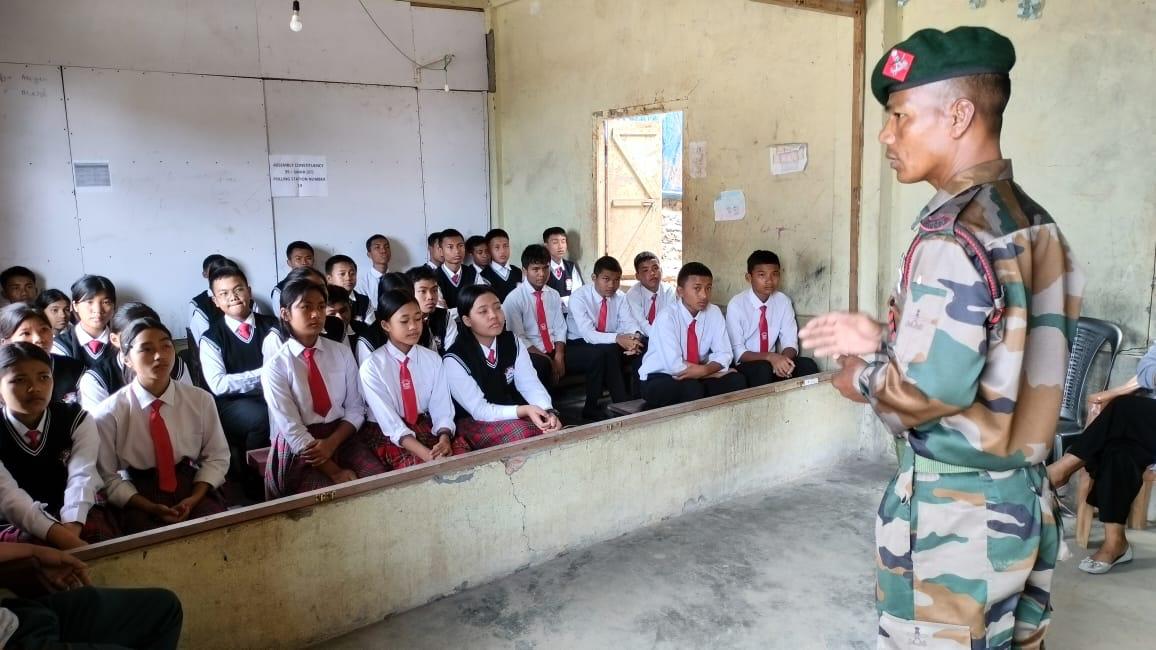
965	560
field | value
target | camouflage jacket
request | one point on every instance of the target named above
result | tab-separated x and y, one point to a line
968	383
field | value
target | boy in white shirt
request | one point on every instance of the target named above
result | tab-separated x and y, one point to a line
761	323
601	332
649	296
688	356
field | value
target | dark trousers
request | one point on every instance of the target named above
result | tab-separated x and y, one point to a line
660	389
760	373
602	366
544	367
95	617
245	421
1117	447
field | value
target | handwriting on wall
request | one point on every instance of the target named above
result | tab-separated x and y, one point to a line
24	85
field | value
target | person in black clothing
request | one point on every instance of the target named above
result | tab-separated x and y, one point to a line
440	328
19	322
499	273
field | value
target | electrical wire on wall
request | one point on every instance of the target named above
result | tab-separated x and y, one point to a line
442	64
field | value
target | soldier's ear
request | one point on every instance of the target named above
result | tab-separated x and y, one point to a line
962	114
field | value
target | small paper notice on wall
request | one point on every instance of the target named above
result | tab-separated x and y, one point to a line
788	158
731	205
697	158
297	175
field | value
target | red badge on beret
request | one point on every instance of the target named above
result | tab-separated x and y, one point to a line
898	65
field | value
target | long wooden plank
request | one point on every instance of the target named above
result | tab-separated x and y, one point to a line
858	72
302	502
836	7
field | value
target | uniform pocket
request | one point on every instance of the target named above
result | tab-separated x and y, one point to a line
898	634
918	323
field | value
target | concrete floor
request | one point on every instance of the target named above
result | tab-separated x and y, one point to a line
790	568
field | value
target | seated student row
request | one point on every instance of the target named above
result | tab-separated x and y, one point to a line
314	398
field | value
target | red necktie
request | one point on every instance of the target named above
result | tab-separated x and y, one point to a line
691	344
492	358
317	389
408	394
558	273
457	277
764	344
33	438
245	331
95	346
653	307
163	446
543	328
602	316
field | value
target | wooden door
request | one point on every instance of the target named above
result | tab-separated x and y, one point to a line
633	190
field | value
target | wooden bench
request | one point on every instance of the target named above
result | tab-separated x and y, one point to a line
626	408
1137	516
257	458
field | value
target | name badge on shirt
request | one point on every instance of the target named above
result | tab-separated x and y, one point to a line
569	284
406	384
510	375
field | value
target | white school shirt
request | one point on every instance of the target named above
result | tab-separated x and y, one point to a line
91	392
478	279
582	321
638	298
190	415
466	391
285	383
367	281
522	316
271	344
503	270
198	319
381	384
82	338
666	351
478	272
213	364
743	323
18	507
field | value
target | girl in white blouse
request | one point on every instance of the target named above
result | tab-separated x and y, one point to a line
315	404
405	388
48	478
164	436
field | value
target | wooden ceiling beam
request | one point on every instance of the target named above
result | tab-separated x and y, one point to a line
850	8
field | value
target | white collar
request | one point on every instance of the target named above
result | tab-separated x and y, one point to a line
501	269
145	398
450	274
756	303
83	337
19	427
233	323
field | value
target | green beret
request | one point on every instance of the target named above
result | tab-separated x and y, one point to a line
930	55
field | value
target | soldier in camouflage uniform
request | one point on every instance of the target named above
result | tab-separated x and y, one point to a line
968	373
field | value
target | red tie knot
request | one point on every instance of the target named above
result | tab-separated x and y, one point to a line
491	357
95	346
308	353
33	437
245	330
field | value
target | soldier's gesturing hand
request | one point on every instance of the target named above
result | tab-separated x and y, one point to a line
839	333
844	380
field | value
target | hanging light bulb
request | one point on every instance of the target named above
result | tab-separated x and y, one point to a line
295	19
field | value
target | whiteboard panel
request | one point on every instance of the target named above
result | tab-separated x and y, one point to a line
189	171
369	135
338	42
206	36
37	210
453	148
437	32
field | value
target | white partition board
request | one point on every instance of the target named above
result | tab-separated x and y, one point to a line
437	32
206	36
189	169
338	42
454	157
37	209
369	136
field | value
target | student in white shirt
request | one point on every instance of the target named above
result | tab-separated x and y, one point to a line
440	328
500	274
298	255
761	324
315	404
491	379
534	314
202	310
379	252
20	322
231	361
689	354
405	388
361	337
479	252
649	296
341	271
603	336
48	450
162	451
565	276
93	301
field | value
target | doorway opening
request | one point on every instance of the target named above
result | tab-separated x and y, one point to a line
638	169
